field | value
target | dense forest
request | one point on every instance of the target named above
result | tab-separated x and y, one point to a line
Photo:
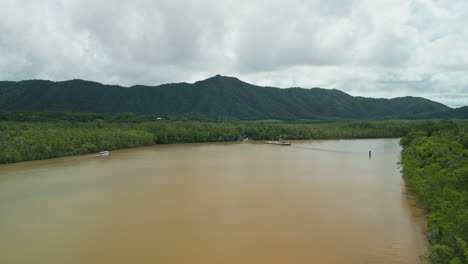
30	136
218	97
435	165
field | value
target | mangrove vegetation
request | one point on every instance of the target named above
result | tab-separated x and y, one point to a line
435	165
30	136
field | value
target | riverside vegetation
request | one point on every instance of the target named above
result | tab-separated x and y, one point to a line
30	136
435	165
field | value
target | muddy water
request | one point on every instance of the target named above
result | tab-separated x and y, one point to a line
312	202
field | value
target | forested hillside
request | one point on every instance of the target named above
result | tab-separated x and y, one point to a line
216	97
460	113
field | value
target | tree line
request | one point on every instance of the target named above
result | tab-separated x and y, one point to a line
435	166
44	143
52	135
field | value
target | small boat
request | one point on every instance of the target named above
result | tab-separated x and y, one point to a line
104	153
278	142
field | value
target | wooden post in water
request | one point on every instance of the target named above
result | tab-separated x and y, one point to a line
370	154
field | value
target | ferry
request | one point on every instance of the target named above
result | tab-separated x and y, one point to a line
278	142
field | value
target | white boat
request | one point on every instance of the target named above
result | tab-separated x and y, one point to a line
278	142
103	153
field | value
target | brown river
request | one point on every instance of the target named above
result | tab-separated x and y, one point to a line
249	202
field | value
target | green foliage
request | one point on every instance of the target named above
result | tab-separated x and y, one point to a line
36	142
435	165
63	134
461	112
77	117
177	132
215	98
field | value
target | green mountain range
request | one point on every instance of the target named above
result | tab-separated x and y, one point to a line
216	97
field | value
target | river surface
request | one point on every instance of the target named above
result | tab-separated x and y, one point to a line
312	202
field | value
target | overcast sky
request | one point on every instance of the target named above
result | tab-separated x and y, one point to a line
374	48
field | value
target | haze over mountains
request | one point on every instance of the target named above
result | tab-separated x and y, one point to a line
215	97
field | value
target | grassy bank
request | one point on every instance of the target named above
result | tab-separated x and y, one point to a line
435	165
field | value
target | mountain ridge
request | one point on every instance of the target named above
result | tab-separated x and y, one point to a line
214	97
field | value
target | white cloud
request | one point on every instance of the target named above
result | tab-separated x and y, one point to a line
381	48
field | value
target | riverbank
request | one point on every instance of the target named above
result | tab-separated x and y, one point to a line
23	141
435	165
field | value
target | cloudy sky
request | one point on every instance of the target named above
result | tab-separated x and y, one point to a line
376	48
